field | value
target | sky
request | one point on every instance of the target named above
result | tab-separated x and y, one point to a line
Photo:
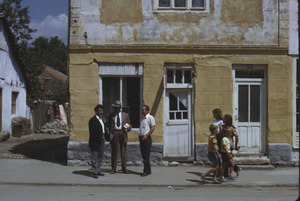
48	17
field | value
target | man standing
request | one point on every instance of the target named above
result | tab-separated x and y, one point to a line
147	127
118	124
96	141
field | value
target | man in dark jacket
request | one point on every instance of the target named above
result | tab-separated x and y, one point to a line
97	140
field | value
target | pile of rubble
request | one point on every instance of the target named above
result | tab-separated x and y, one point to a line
55	127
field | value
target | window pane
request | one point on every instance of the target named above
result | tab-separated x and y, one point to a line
170	76
182	101
180	3
14	97
178	76
187	76
185	115
172	116
133	100
164	3
178	115
198	3
243	103
249	74
111	93
255	103
173	102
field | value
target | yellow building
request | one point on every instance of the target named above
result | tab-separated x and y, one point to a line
184	58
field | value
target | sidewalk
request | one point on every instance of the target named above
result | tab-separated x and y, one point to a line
36	172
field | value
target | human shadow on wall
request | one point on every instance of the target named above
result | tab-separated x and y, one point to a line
50	150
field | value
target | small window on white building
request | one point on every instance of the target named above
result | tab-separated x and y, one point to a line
122	82
181	5
14	100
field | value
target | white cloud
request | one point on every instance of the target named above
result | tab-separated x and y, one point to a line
51	26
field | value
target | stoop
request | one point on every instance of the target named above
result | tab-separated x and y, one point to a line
253	161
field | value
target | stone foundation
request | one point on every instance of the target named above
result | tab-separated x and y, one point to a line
201	153
280	153
79	154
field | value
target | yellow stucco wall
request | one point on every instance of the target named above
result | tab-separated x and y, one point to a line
213	88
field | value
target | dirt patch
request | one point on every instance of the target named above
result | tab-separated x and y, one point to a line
46	147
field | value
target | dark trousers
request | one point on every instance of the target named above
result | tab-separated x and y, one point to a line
118	140
96	158
145	147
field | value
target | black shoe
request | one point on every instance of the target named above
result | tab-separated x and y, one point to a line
101	174
144	174
94	175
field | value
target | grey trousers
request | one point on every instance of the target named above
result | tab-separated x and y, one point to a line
96	158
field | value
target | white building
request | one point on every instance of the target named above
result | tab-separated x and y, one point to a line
12	81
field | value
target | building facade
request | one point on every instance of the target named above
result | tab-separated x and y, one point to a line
12	82
184	58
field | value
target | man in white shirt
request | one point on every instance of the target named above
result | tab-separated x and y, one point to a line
147	127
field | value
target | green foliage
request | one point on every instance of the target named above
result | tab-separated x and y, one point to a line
60	93
18	20
53	52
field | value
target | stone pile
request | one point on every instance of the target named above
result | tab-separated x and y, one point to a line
20	126
55	127
4	136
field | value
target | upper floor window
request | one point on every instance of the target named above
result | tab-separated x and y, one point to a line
181	5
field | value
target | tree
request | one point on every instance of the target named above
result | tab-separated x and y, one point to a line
45	52
18	20
53	52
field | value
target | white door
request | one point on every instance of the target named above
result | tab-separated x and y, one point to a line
178	124
249	115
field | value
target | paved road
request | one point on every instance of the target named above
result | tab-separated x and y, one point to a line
91	193
29	179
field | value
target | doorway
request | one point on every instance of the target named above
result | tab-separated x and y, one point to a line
249	103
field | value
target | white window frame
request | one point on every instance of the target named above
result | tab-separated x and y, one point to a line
179	85
187	8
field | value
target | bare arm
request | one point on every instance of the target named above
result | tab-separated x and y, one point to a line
145	137
216	148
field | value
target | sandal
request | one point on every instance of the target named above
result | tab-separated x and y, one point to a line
216	182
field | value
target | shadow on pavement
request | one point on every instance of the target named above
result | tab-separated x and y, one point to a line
50	150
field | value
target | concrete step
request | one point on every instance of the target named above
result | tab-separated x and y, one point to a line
252	160
256	167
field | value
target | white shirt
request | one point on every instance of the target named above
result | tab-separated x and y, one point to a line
101	122
219	123
147	122
116	117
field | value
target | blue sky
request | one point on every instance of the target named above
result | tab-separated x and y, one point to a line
49	17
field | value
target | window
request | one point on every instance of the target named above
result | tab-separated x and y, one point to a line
124	83
179	76
181	5
14	99
178	108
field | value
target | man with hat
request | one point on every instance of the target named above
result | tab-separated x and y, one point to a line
118	125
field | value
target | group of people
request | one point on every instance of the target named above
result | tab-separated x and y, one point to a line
221	144
114	130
